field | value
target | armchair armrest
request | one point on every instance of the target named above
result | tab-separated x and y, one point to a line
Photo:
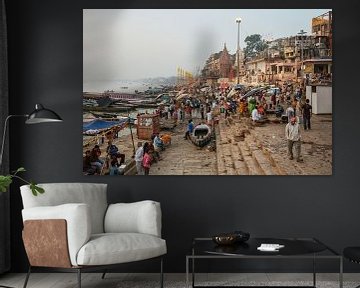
78	225
138	217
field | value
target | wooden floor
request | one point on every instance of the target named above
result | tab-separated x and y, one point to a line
119	280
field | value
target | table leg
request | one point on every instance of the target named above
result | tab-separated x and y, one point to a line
314	271
187	272
193	272
341	273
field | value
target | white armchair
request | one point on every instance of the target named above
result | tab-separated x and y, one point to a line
72	228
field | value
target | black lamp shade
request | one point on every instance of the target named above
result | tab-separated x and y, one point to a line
42	115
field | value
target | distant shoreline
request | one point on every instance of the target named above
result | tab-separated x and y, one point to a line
131	85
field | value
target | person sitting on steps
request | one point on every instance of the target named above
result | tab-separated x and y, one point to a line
113	152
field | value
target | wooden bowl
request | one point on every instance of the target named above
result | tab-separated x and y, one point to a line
225	239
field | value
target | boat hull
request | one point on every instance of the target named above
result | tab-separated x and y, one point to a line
201	135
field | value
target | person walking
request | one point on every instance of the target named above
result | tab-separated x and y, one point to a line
202	111
292	134
189	130
307	110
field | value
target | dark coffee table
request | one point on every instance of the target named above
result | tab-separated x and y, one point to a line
294	248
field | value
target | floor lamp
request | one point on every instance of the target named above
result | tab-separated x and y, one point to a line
39	115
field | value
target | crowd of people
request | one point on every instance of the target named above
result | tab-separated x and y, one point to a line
94	164
111	163
287	102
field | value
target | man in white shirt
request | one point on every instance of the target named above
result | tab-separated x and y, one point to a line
255	116
139	154
292	134
209	118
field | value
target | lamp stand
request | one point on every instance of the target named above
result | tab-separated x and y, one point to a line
4	135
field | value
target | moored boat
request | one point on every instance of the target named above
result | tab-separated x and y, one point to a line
201	135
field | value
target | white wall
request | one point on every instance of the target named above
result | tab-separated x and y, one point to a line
324	99
321	100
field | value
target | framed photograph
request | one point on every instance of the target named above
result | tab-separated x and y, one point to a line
207	92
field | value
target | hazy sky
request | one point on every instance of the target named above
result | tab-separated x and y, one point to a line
138	43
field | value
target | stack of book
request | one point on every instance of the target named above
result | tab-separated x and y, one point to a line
270	247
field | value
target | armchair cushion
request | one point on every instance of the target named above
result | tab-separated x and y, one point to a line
138	217
113	248
78	221
92	194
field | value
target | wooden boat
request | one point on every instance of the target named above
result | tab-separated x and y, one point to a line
201	135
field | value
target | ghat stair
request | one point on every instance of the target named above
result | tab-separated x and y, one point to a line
240	151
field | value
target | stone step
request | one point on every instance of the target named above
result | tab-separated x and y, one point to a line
235	164
259	156
252	165
278	169
237	155
282	165
264	162
220	162
238	160
228	160
242	156
287	166
222	168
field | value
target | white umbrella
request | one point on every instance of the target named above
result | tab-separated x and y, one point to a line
182	96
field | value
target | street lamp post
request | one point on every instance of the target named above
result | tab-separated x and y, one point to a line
302	32
238	21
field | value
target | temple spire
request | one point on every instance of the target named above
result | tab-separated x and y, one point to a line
225	49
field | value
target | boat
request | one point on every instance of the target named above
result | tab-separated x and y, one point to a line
201	135
121	96
142	101
104	115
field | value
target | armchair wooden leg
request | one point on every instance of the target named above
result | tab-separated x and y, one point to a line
79	277
161	273
103	275
27	277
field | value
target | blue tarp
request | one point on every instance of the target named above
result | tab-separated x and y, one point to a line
98	124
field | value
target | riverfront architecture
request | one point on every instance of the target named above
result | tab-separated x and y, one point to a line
297	59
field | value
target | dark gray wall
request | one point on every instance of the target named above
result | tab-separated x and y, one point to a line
45	50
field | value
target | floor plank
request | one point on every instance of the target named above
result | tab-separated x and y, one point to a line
115	280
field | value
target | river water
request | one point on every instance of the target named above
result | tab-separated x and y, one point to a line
125	86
